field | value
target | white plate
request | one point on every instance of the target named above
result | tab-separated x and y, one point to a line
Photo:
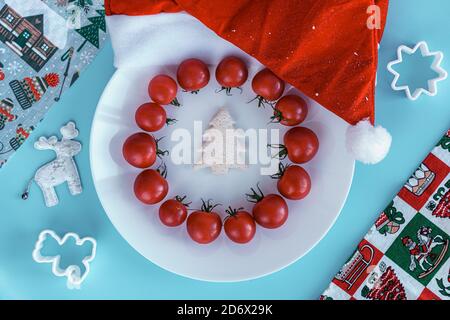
171	248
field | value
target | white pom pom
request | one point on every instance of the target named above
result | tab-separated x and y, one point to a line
367	143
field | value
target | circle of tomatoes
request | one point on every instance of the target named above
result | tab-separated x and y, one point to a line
231	73
239	226
162	89
140	150
193	75
290	111
151	186
204	225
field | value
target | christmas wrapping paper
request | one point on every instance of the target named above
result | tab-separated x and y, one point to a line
405	255
44	45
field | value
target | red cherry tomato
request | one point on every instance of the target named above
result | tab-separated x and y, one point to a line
231	72
140	150
240	226
204	226
295	183
193	75
267	85
150	187
151	117
2	75
163	89
173	212
290	111
269	211
301	144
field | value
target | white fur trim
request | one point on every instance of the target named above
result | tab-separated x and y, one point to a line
183	37
367	143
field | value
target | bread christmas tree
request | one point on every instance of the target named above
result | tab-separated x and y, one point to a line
223	146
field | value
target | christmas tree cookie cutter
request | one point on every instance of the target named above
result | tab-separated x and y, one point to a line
62	169
74	274
435	66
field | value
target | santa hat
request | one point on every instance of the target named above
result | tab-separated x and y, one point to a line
31	89
406	240
326	49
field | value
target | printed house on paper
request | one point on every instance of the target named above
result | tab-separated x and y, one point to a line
25	36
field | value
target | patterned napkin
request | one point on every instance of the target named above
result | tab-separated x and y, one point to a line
405	255
44	45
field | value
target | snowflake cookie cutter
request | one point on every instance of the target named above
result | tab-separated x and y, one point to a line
436	67
75	277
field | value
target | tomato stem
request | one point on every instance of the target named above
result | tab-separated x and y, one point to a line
162	170
232	212
160	153
181	200
277	116
282	154
228	90
192	92
175	102
281	169
170	121
261	101
255	196
207	206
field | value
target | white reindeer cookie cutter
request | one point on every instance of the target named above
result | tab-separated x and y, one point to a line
62	169
75	276
435	66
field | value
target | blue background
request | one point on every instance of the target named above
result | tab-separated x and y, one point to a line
120	272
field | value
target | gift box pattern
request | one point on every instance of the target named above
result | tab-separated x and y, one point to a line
405	255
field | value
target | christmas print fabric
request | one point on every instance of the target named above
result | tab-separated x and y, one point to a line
44	45
405	255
